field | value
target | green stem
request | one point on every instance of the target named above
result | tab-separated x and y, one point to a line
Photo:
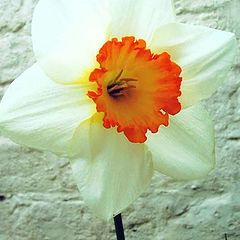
119	227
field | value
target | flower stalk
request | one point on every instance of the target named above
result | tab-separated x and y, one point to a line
119	227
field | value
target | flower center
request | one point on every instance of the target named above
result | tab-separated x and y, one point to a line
119	86
136	90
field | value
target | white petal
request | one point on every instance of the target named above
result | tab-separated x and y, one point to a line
204	54
140	18
67	35
185	149
110	171
42	114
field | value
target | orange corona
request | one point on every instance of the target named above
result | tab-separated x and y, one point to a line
136	90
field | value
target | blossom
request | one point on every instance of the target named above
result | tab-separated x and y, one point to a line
117	87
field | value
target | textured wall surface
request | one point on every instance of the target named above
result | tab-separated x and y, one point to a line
39	200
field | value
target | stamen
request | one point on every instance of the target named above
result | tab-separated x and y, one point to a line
118	87
129	79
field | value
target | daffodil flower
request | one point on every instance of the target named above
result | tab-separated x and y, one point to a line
117	86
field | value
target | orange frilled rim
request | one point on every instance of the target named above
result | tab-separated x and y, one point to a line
136	90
